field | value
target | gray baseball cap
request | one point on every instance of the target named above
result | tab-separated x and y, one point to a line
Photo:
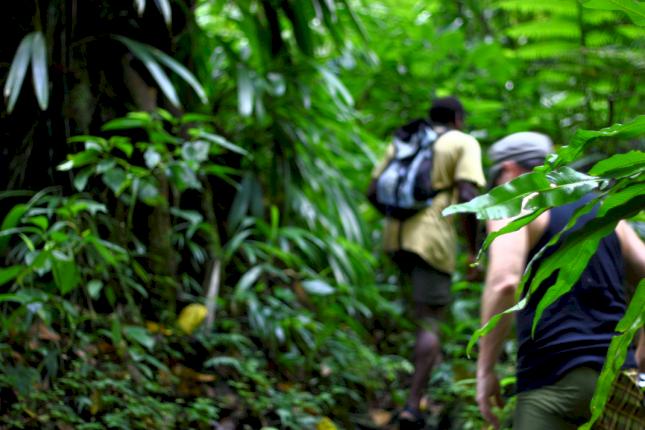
522	146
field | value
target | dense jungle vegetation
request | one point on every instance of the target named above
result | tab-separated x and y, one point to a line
184	236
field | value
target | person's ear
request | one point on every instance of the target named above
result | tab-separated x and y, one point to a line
509	171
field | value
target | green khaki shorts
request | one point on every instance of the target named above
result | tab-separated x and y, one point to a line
429	286
561	406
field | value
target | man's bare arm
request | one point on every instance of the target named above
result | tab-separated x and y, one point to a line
507	259
633	250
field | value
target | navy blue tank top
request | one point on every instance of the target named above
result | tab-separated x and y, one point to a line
575	330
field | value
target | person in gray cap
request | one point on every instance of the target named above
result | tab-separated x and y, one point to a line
557	368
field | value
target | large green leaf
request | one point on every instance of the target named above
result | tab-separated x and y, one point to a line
620	165
18	71
567	154
298	13
11	220
572	256
65	271
492	323
39	71
139	335
515	225
555	188
9	273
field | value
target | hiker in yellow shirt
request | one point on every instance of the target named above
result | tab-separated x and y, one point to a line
421	241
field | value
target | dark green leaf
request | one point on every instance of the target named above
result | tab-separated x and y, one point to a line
298	14
40	221
9	273
139	335
567	154
11	220
555	188
182	176
115	179
124	146
620	165
572	256
510	227
124	124
65	273
492	323
81	178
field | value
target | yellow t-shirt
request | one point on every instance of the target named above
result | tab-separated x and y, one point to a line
456	157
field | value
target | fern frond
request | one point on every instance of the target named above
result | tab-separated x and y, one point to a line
546	29
225	361
597	39
554	77
634	57
597	17
631	31
603	87
561	7
546	50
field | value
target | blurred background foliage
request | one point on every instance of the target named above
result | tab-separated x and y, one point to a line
158	154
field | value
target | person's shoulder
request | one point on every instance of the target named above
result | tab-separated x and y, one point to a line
457	138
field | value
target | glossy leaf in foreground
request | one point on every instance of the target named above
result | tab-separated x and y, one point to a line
619	165
535	189
567	154
572	256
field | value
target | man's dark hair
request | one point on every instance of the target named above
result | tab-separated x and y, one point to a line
446	110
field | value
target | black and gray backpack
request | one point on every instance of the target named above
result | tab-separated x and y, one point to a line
405	185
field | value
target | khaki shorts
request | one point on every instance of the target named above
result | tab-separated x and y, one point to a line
565	404
429	286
